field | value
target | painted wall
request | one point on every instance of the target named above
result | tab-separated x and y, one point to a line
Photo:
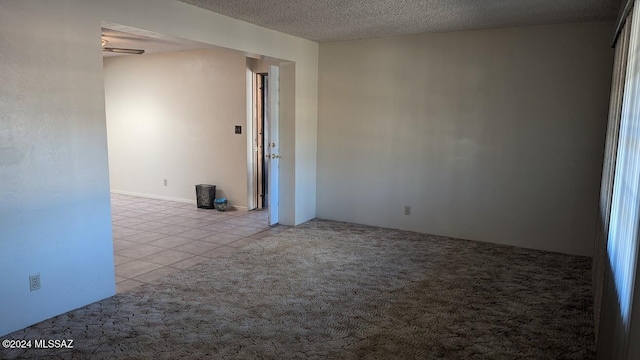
262	65
172	116
492	135
288	206
54	208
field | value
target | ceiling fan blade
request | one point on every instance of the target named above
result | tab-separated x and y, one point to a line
123	51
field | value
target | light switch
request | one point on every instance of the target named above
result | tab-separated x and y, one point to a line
238	129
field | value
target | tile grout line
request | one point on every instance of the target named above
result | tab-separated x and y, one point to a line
133	218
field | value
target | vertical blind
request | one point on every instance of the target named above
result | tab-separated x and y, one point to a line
600	257
622	241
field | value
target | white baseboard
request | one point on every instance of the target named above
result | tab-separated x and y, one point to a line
159	197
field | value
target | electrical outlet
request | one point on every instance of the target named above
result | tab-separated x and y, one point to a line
34	282
165	182
407	210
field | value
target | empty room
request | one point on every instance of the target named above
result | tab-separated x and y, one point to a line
446	180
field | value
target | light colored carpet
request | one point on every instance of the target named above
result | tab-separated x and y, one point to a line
335	290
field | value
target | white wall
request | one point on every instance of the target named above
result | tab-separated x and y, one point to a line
172	116
54	190
492	135
288	205
262	65
54	208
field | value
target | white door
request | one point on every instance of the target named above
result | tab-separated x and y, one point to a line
273	151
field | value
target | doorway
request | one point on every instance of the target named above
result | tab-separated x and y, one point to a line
263	174
153	173
262	110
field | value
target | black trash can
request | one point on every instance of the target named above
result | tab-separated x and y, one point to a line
205	196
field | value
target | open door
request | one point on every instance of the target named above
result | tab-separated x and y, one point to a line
259	149
272	148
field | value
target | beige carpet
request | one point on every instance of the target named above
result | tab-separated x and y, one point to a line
333	291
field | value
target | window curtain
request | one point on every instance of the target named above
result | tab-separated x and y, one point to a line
601	256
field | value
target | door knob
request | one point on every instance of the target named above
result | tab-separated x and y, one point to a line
274	156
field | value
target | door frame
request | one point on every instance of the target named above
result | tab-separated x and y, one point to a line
272	148
252	145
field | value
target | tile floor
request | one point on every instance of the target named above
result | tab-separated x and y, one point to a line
154	238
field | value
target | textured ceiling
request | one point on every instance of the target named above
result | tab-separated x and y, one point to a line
334	20
129	38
